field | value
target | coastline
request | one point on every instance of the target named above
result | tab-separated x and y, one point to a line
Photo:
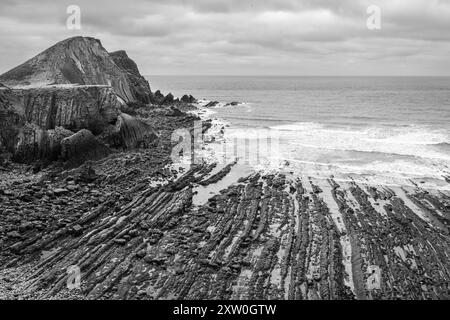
417	201
255	234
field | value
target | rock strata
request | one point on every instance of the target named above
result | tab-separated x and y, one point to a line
82	61
72	86
133	132
266	237
140	86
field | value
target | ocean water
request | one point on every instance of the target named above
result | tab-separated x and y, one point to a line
388	129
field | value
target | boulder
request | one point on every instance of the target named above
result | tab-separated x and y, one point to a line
132	132
55	138
158	97
169	99
82	146
188	99
234	103
35	143
175	112
211	104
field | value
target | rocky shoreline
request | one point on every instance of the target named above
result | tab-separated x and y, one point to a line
267	237
128	219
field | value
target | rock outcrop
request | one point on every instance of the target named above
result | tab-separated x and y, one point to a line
188	99
72	107
74	85
268	237
36	143
83	61
31	120
132	132
140	86
82	146
160	99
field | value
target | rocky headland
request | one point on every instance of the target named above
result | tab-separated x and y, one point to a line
86	180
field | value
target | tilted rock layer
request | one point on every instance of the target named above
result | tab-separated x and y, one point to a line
28	116
140	86
74	85
79	60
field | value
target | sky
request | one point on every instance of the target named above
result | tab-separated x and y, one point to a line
237	37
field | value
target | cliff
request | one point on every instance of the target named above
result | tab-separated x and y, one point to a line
74	108
74	86
140	86
83	61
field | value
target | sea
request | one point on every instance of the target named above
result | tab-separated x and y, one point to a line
388	130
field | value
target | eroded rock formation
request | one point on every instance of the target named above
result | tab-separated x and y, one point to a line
82	146
83	61
73	85
266	237
140	86
30	116
133	132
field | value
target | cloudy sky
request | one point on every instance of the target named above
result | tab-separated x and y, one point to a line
236	37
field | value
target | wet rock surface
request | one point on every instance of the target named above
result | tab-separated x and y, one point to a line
265	237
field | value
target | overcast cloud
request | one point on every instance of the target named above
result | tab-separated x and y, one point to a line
282	37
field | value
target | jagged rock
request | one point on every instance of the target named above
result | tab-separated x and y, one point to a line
158	97
234	103
188	99
35	143
31	143
82	146
77	60
76	84
211	104
140	86
84	173
10	121
169	99
77	230
29	118
175	112
74	108
55	137
132	132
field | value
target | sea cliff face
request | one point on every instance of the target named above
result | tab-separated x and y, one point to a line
28	116
139	86
74	85
74	108
83	61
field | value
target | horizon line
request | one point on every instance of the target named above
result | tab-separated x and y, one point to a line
293	76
